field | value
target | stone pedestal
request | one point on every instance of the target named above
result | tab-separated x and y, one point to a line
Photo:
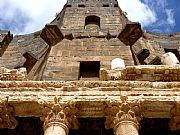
56	128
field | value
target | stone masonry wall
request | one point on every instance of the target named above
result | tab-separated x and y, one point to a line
64	59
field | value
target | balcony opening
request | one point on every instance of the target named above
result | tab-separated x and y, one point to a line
89	70
92	22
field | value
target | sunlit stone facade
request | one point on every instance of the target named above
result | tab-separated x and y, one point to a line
90	71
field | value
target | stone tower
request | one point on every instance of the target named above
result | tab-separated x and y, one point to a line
90	71
91	37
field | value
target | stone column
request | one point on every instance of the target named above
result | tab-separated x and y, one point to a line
56	124
59	117
124	119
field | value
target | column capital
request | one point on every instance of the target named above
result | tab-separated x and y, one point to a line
6	118
60	113
174	123
125	112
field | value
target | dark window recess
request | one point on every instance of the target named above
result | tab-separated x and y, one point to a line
89	69
30	62
175	51
68	5
156	126
91	126
92	22
81	5
26	126
105	5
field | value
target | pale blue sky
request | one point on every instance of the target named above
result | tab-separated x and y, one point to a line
26	16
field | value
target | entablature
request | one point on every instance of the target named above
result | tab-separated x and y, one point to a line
157	98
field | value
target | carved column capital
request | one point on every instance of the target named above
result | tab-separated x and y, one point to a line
60	113
174	123
125	112
6	118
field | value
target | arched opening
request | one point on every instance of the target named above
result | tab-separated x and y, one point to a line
92	22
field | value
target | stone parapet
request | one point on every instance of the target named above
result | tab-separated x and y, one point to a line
153	73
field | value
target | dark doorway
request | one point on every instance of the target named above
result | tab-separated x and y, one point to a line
92	126
156	127
89	70
26	126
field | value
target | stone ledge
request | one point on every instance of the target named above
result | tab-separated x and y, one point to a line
157	98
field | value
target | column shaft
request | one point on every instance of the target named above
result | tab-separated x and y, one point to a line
56	129
126	128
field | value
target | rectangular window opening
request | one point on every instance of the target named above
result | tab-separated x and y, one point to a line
89	70
68	5
105	5
81	5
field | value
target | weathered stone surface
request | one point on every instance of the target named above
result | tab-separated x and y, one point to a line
6	118
93	32
131	33
122	115
13	74
175	117
154	73
158	97
51	34
59	112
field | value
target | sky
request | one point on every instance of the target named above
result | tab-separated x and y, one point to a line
27	16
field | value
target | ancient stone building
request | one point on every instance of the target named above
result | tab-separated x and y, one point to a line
90	71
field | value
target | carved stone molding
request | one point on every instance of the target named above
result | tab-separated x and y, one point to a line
6	118
174	123
125	112
60	113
